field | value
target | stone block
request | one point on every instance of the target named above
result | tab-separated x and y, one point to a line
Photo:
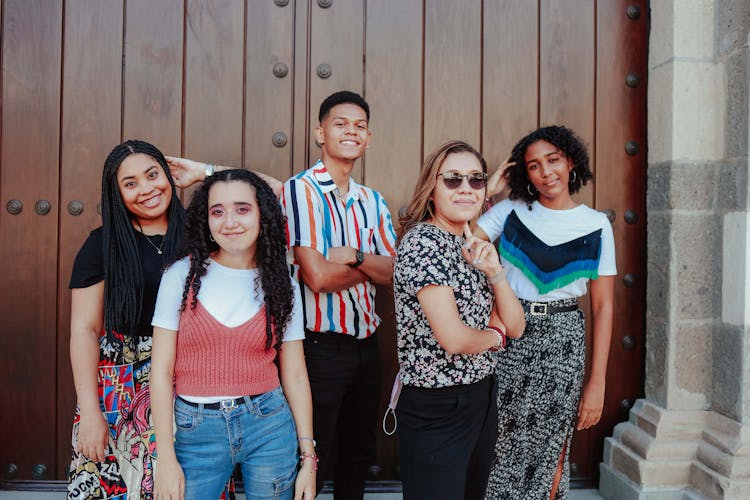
657	362
735	283
661	42
736	103
658	249
660	122
694	29
727	388
692	186
657	190
698	123
696	266
732	25
732	183
692	361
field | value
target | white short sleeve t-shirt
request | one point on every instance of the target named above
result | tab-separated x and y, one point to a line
550	254
228	294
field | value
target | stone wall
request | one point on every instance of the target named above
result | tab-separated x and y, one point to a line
690	436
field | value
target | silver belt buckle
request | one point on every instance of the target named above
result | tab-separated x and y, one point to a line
228	404
538	309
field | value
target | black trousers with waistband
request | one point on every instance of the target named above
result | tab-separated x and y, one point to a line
344	378
447	440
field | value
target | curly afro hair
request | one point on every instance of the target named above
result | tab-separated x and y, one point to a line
270	253
562	138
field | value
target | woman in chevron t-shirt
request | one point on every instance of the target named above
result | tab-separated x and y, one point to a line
551	247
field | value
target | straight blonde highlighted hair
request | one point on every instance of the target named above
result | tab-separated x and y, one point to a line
420	207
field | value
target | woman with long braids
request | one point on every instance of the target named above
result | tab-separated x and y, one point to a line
552	247
114	283
225	313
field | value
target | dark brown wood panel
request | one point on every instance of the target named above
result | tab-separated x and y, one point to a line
337	39
197	79
214	91
452	72
29	154
510	75
152	73
91	104
268	97
621	182
394	91
567	71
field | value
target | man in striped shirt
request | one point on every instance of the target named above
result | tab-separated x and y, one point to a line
342	243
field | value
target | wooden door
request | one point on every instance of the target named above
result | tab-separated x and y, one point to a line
239	82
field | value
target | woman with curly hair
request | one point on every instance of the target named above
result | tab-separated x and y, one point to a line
224	313
114	283
552	247
453	309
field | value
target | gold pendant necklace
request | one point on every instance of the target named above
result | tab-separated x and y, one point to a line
163	239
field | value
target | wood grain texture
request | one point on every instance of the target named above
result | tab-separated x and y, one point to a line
452	72
393	83
214	92
510	76
567	71
336	39
91	127
268	98
152	74
29	154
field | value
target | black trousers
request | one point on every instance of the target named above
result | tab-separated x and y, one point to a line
345	381
447	440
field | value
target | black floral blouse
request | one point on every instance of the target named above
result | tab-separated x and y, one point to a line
429	255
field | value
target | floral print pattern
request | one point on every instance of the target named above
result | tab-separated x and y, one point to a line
428	255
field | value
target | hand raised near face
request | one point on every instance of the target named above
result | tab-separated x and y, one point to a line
496	182
480	254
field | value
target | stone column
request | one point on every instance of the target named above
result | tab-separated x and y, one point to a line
690	436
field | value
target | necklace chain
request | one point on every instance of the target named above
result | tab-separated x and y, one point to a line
159	248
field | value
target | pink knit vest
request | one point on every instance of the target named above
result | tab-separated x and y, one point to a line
217	360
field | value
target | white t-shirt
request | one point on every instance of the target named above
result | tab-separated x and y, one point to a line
557	236
229	295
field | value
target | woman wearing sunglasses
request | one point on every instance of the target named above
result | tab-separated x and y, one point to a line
551	246
453	308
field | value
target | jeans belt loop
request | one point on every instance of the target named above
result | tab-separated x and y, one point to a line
538	309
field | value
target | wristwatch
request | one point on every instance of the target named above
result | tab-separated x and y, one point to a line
360	258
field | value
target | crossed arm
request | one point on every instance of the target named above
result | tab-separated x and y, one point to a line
323	275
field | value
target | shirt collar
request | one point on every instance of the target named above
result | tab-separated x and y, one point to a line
326	183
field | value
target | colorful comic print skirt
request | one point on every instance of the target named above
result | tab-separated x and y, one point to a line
539	380
128	468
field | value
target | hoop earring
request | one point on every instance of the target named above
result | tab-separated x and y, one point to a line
210	237
529	189
575	177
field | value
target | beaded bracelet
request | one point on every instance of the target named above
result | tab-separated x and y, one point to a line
310	456
302	438
501	338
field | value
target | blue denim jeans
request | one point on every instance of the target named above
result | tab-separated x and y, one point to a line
258	434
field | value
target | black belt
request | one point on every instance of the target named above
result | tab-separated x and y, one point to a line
225	404
544	308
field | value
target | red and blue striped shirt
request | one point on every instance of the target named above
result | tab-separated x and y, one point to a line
318	218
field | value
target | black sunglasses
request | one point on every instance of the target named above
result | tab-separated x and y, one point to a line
452	180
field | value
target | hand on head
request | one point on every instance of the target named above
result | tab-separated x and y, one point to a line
496	182
185	172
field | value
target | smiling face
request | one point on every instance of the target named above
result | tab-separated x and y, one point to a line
144	188
548	170
343	134
454	207
234	219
